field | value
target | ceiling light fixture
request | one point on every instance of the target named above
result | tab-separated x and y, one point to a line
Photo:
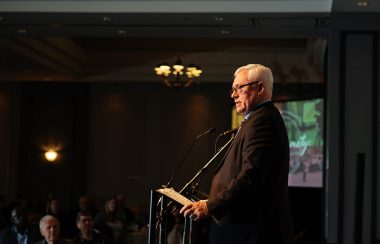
362	4
122	32
219	19
178	75
225	32
107	19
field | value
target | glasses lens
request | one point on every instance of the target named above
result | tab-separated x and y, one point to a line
232	91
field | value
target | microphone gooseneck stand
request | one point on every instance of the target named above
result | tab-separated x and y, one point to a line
153	220
198	174
212	129
160	202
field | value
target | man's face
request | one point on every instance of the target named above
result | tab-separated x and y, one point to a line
50	230
54	206
85	224
19	217
246	98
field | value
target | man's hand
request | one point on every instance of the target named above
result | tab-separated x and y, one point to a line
196	210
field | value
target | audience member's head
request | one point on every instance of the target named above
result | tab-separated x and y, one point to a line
120	199
49	228
24	202
111	205
19	218
52	206
85	224
84	203
93	198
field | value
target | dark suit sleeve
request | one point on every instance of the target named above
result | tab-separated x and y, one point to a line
257	153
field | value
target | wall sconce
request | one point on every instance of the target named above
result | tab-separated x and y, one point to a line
51	155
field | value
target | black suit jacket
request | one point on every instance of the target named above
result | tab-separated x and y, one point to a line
9	236
250	185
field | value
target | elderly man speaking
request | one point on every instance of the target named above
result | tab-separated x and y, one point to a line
249	196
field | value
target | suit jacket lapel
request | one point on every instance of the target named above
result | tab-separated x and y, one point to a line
224	157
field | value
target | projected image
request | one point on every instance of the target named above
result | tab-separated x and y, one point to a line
304	123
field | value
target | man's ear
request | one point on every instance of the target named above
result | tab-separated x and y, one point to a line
260	88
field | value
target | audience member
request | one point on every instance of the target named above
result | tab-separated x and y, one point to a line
93	204
24	202
49	228
127	215
20	231
84	204
53	208
109	221
87	234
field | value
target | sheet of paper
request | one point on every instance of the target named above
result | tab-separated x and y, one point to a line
172	194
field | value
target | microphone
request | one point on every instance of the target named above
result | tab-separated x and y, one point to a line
212	129
230	131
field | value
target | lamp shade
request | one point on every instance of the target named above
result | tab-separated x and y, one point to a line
51	155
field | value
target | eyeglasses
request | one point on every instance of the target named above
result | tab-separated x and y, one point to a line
239	88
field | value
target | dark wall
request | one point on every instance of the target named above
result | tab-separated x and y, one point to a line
144	131
9	139
107	132
53	115
5	137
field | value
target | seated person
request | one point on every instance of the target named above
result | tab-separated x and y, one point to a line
20	232
88	235
110	222
127	215
49	228
53	208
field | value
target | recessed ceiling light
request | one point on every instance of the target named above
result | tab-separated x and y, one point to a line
225	32
219	19
122	32
362	3
22	31
107	19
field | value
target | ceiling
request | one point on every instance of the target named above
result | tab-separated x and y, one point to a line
122	41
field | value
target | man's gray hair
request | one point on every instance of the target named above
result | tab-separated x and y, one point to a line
45	219
258	72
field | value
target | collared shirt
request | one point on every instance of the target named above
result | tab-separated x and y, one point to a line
21	238
246	116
